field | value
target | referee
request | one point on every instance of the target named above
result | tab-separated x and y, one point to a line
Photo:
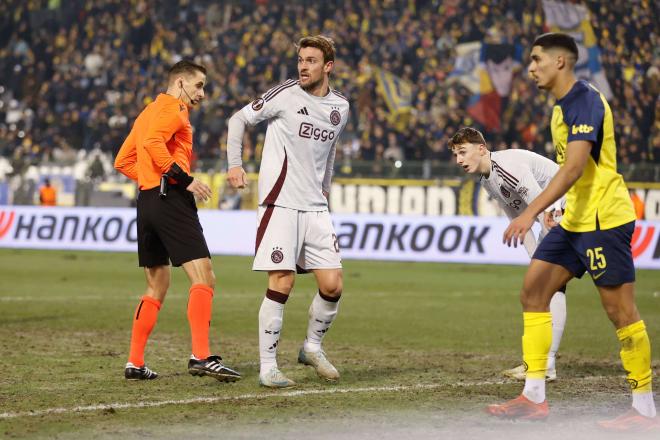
157	155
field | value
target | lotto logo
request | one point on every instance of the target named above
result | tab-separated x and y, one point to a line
582	128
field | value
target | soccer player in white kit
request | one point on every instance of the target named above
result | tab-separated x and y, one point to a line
295	232
514	178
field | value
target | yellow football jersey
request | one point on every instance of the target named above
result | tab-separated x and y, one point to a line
599	199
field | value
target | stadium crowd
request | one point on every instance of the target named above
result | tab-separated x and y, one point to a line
74	73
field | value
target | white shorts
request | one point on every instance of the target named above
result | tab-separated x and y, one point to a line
288	239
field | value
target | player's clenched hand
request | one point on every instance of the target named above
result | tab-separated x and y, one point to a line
549	219
517	229
200	190
236	177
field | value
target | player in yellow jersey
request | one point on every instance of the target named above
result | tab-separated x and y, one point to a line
594	235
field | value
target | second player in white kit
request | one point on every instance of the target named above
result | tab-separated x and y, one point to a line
295	233
514	178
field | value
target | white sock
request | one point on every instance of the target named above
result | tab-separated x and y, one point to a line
271	314
558	311
534	390
643	403
321	315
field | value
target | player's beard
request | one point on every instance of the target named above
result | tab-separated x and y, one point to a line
312	85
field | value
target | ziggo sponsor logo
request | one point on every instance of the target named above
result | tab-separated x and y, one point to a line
67	227
308	131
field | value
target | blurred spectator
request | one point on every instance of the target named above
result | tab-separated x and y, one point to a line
72	74
231	199
47	194
96	171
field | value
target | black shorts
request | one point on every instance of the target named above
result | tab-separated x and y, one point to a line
605	254
169	228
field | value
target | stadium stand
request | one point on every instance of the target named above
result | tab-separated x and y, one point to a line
74	73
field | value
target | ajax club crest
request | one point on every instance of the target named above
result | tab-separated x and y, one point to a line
335	117
277	256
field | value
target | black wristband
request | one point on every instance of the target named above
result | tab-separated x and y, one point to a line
182	178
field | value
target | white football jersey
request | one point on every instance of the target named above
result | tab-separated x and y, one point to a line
298	154
516	178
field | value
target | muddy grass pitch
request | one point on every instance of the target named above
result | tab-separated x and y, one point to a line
420	348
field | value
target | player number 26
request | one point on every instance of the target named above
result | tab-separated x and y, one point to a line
596	258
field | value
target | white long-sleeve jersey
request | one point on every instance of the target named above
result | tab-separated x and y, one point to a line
516	178
299	149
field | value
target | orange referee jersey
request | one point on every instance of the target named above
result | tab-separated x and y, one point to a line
161	135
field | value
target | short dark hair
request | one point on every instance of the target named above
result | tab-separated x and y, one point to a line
185	67
321	42
466	135
557	40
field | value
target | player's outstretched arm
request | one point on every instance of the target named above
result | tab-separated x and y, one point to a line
577	154
548	220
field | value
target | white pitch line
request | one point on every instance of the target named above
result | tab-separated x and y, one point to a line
261	396
294	393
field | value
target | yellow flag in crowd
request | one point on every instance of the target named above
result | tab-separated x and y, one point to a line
397	93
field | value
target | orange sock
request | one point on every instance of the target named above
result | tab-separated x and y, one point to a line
199	317
144	321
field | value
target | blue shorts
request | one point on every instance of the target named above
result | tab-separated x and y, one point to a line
605	254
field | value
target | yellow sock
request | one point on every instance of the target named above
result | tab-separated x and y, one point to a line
636	356
536	341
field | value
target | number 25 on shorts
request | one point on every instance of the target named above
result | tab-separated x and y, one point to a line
596	258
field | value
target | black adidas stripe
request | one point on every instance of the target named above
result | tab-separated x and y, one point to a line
340	95
512	184
506	178
276	88
137	315
280	90
506	172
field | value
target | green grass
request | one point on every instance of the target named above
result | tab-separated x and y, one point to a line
65	322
